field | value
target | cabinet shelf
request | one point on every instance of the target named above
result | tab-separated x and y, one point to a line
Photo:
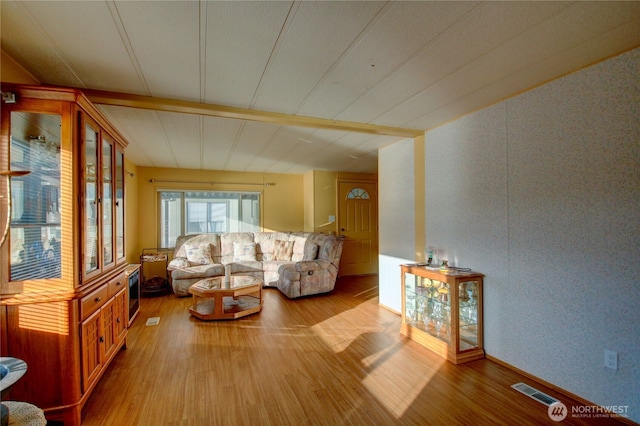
443	311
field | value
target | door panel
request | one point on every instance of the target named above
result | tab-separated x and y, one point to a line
358	222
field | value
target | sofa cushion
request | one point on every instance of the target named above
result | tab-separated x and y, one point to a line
226	244
199	271
244	252
198	254
244	267
310	251
208	238
282	250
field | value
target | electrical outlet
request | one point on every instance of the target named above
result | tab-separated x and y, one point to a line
611	359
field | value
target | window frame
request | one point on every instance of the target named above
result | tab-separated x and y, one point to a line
184	200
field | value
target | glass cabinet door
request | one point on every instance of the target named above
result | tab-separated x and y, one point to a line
436	308
35	233
469	306
427	306
91	195
107	202
119	197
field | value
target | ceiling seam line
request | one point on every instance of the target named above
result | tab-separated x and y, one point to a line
274	52
236	139
117	20
419	52
166	139
519	70
201	128
203	50
54	47
269	142
433	83
383	11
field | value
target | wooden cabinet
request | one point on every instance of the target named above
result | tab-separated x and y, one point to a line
103	331
443	311
64	293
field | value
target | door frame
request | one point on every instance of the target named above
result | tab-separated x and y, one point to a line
339	219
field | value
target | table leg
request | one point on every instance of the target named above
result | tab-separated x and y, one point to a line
218	306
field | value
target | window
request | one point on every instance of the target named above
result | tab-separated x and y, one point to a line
358	194
195	212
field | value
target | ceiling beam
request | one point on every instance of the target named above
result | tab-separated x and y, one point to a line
213	110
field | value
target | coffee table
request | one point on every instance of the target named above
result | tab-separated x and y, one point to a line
216	299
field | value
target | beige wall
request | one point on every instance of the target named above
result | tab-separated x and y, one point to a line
289	203
131	211
309	182
321	197
282	201
325	198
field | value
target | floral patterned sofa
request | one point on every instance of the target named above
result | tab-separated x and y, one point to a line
297	263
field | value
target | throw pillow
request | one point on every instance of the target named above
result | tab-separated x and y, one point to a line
282	250
244	252
178	263
198	254
327	251
310	251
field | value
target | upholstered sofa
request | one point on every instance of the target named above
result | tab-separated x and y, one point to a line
297	263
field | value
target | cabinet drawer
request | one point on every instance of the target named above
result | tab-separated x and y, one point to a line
93	301
117	284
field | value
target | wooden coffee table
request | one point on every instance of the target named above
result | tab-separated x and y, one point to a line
215	299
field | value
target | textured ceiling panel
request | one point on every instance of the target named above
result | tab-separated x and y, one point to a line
182	133
76	44
318	35
552	38
165	43
218	136
398	34
240	37
144	127
461	41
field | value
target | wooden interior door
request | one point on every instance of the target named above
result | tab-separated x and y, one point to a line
358	222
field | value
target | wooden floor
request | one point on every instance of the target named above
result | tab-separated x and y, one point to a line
333	359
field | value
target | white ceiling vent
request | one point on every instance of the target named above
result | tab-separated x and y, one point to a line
534	393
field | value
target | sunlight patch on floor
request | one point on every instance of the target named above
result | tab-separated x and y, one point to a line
381	359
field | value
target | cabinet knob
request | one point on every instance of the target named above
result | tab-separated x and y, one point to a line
118	320
101	339
97	299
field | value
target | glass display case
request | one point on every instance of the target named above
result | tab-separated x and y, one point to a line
442	310
62	259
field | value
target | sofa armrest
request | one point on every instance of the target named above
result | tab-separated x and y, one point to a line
312	265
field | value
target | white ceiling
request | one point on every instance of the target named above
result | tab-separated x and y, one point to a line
404	64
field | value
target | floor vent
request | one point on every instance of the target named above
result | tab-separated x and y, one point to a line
534	393
153	321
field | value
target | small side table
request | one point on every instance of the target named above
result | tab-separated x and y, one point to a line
215	299
156	284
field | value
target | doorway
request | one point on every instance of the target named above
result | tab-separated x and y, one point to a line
358	222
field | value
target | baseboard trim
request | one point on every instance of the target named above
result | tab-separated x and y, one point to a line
386	308
564	392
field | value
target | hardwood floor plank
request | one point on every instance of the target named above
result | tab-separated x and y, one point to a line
334	359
